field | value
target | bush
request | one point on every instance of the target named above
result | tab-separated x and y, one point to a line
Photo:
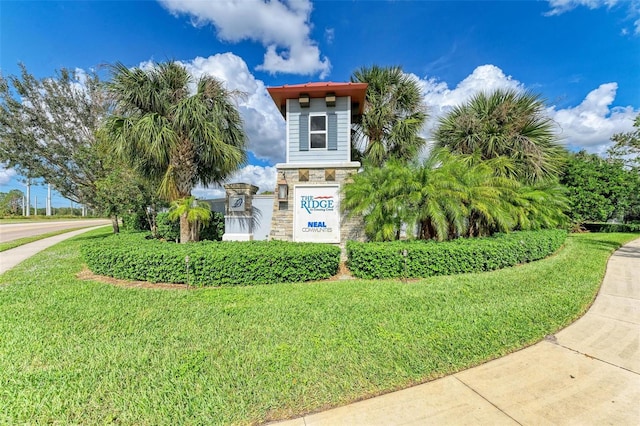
136	257
414	259
136	221
167	229
214	229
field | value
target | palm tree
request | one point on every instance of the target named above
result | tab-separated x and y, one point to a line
176	131
394	114
381	196
540	206
437	203
505	123
198	214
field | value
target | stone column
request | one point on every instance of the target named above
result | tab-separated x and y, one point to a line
238	219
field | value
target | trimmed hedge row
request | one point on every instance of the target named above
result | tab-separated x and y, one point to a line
211	263
611	227
428	258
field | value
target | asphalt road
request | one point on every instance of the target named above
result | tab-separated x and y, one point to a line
14	231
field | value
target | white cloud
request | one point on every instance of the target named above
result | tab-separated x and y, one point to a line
6	175
263	123
558	7
282	27
440	99
591	124
262	177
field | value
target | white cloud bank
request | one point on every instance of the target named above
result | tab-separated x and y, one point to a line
281	26
589	125
558	7
6	174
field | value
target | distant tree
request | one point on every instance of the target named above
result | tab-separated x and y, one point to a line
173	135
626	146
11	202
48	129
505	123
600	189
394	115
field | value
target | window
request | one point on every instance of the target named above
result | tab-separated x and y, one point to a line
318	131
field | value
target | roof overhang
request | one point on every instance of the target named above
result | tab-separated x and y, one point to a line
357	91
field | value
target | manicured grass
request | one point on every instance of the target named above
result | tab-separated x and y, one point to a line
22	241
83	352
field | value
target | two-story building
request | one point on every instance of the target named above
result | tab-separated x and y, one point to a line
318	162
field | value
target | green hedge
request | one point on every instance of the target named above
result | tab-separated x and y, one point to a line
428	258
611	227
135	257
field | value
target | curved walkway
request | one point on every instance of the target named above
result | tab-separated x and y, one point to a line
586	374
10	258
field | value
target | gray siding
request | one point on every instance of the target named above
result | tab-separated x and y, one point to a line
338	142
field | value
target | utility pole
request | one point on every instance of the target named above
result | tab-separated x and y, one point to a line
36	213
28	197
49	200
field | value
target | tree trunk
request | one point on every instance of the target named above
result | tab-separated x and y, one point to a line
115	224
185	229
195	230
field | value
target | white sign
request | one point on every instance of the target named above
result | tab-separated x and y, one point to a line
316	214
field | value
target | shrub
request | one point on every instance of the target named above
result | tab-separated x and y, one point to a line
414	259
611	227
136	221
167	229
136	257
214	229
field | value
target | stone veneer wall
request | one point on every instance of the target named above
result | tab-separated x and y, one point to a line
282	219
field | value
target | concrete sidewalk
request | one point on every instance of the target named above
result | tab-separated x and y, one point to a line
587	374
10	258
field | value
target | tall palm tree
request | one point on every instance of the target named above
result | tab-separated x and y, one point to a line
176	131
505	123
394	115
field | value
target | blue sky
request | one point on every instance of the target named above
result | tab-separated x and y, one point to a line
582	56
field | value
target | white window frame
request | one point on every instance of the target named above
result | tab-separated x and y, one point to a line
319	132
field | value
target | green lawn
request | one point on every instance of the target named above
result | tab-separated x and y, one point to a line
83	352
26	240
